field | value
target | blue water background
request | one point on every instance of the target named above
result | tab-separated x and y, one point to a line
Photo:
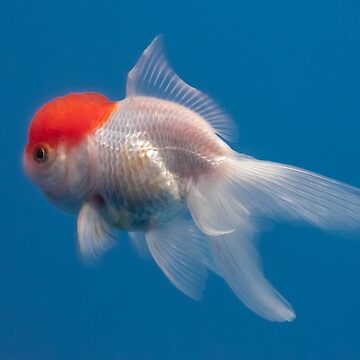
287	71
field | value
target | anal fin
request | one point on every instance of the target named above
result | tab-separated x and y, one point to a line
181	253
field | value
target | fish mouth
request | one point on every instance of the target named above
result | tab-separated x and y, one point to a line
27	166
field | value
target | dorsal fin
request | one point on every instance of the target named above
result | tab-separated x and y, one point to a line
152	76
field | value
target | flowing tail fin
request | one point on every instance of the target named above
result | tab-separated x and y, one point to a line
226	203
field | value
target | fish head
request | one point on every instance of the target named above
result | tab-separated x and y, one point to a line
60	156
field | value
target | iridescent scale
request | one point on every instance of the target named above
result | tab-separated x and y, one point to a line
148	151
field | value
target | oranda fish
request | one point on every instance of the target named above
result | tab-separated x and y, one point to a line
158	166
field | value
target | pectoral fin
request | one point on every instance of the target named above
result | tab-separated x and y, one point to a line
94	233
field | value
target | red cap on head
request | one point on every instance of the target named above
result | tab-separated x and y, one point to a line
69	119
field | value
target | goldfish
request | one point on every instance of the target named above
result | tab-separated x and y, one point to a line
160	166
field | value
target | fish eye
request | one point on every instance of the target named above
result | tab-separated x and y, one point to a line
40	154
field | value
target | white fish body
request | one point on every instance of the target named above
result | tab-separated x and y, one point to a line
161	157
150	150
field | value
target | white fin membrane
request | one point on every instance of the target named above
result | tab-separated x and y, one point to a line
282	191
152	76
238	261
94	233
138	242
182	253
226	204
